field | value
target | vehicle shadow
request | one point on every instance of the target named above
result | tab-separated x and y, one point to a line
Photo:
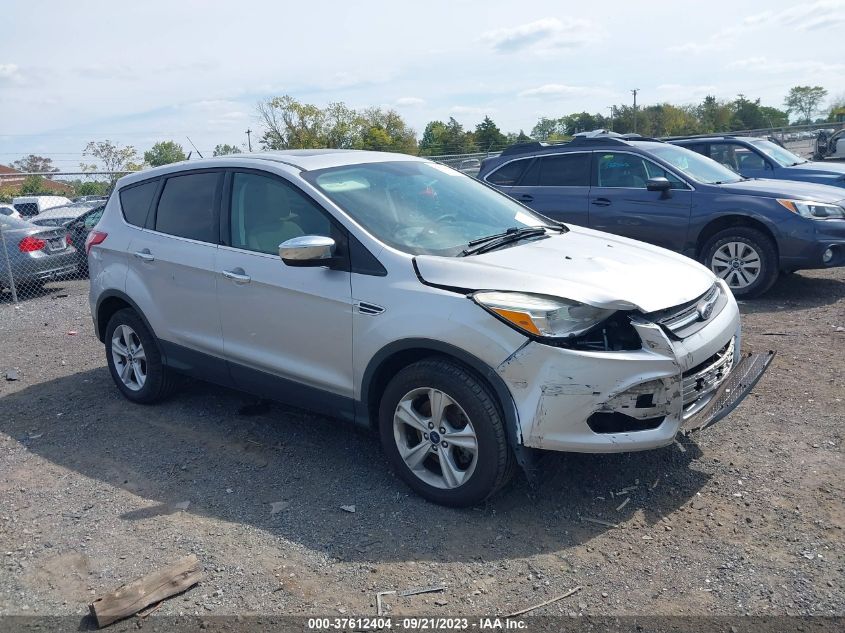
233	459
799	291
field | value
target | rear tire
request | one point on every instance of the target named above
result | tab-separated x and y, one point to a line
134	359
443	433
746	258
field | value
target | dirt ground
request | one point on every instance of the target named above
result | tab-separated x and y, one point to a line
744	518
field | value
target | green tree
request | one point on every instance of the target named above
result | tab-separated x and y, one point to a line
33	163
224	149
32	185
164	153
582	122
290	124
90	187
433	138
804	101
384	130
488	136
446	138
112	157
547	129
713	115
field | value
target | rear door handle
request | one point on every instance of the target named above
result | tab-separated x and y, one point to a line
526	197
601	202
145	254
237	275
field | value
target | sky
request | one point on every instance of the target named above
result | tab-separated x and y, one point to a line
141	72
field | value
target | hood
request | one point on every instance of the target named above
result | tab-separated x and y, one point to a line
819	168
785	189
595	268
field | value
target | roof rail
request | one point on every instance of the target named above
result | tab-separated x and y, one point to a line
690	136
535	146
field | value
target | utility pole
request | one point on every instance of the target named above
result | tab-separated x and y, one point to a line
634	92
249	139
611	117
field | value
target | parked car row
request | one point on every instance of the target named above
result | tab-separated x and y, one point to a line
46	246
744	229
32	255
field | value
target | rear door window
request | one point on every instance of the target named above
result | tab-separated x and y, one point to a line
508	174
186	206
562	170
136	200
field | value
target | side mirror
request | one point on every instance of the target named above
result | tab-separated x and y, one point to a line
658	184
308	250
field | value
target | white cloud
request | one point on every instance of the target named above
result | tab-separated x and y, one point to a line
804	17
797	67
811	16
559	91
544	35
409	102
10	72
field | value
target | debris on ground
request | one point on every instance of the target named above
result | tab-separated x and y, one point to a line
12	374
543	604
415	592
141	593
348	508
623	504
278	506
379	603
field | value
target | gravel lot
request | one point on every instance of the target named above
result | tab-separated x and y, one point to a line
746	517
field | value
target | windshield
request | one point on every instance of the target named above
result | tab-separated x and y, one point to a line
419	207
692	164
781	156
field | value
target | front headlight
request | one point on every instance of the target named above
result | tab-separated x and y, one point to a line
542	315
816	210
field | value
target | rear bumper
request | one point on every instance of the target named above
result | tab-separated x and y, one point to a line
45	267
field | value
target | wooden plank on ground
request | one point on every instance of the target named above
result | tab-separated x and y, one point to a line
140	593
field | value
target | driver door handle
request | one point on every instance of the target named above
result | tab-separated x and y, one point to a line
601	202
526	197
237	275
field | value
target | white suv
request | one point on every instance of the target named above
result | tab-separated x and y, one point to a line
406	296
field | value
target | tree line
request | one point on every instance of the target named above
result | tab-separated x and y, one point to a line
291	124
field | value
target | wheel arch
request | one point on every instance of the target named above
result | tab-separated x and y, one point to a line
399	354
111	302
733	220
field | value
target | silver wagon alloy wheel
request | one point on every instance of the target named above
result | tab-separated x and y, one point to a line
738	263
129	357
435	438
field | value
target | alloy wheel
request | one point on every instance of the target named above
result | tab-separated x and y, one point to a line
435	438
130	360
738	263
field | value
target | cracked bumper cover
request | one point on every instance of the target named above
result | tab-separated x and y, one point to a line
559	393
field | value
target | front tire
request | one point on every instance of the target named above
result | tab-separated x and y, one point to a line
745	258
443	433
134	359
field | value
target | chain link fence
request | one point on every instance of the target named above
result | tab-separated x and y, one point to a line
42	241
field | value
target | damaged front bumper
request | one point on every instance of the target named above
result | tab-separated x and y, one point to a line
615	401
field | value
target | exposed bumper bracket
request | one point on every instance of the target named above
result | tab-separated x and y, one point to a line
732	391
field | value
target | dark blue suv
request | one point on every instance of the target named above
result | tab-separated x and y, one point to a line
760	158
745	230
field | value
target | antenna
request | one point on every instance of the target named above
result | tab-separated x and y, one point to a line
194	146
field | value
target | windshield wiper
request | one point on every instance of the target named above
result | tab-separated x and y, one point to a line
513	234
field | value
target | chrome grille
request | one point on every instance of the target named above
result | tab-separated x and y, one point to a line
679	318
706	377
